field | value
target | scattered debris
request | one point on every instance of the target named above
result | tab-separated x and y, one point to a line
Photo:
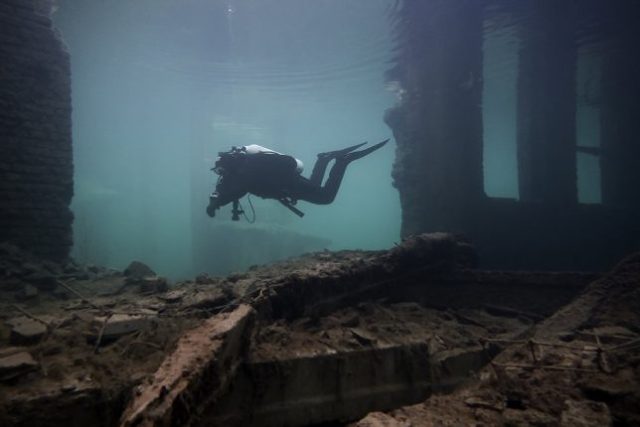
153	284
585	413
380	419
580	368
173	296
421	295
28	292
16	364
138	270
117	325
26	331
214	349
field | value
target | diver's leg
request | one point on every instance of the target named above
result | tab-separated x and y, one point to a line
311	192
305	190
327	193
317	175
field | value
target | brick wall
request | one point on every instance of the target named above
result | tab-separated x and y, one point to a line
438	130
36	169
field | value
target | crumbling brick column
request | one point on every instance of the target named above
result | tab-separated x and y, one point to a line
36	170
546	121
619	113
438	122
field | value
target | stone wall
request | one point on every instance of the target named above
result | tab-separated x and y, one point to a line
36	169
438	127
438	124
546	92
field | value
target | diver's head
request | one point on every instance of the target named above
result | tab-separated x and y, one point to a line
229	161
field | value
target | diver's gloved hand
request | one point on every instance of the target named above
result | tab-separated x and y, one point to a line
213	205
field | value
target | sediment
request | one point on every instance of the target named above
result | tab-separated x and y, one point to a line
328	337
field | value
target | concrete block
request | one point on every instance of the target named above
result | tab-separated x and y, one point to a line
26	331
121	324
17	364
195	374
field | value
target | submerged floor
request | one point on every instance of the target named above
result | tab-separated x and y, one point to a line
325	338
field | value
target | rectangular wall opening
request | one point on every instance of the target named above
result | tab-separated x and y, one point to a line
500	49
588	126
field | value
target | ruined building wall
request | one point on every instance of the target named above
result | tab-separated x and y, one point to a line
438	124
36	171
438	129
546	116
619	111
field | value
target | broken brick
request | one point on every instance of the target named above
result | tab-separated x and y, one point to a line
16	364
26	331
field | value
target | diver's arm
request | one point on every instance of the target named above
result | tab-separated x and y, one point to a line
218	200
213	205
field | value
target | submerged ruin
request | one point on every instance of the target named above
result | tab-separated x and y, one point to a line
325	338
441	157
442	329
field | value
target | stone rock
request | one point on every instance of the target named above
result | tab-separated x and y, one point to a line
85	316
27	292
16	364
585	413
26	331
527	417
8	351
173	296
43	281
153	284
380	419
484	403
203	279
138	270
121	324
71	267
213	298
363	336
351	320
436	344
611	388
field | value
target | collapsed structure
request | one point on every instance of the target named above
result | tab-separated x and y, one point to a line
438	126
36	166
330	337
326	338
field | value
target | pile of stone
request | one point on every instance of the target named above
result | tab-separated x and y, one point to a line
581	367
144	278
24	274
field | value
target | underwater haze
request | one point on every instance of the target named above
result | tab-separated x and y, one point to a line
161	86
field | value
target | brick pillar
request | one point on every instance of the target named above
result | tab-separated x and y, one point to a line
546	122
36	170
619	113
438	122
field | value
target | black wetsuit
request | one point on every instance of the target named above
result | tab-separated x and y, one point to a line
276	176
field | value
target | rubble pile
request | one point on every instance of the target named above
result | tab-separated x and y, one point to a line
86	336
581	367
323	338
23	275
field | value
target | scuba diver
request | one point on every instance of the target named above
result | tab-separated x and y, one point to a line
271	175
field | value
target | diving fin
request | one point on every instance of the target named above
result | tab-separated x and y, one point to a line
340	153
359	154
